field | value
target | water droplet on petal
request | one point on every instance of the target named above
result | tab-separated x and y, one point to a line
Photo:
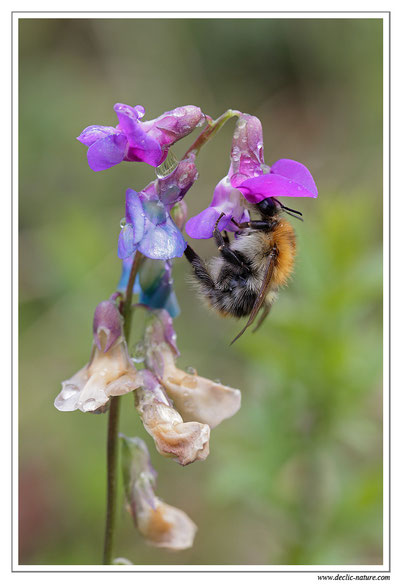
168	165
123	222
69	390
191	371
89	405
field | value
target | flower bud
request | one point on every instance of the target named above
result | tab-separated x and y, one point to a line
175	185
156	286
179	214
162	525
107	325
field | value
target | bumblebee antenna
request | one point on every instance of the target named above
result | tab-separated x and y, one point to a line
292	212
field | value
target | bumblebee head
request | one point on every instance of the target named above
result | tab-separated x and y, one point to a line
271	206
268	207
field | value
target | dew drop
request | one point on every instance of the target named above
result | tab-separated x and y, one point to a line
123	222
89	405
191	371
69	390
167	166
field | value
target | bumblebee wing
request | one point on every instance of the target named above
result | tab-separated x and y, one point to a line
269	270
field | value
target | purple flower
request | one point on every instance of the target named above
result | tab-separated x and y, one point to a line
149	227
226	199
249	180
134	140
255	180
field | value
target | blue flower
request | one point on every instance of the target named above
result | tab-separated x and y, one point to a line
149	227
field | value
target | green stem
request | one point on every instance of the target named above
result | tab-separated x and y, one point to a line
113	430
212	128
111	498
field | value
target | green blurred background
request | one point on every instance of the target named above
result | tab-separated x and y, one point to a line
296	476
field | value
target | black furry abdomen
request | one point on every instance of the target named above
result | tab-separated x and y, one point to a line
232	295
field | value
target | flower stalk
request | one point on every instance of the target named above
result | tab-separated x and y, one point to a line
113	429
212	128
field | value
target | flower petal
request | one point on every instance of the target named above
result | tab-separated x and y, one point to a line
202	225
247	155
125	273
92	134
200	399
297	172
162	242
67	400
107	152
297	182
126	246
161	524
107	325
135	214
186	442
142	147
174	125
227	200
127	116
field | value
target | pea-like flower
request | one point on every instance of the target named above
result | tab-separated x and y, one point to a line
255	180
249	180
184	441
110	371
159	523
149	226
227	200
194	397
135	140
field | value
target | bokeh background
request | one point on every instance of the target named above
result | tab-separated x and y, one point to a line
296	476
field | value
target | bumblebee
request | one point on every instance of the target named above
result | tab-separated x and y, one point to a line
245	278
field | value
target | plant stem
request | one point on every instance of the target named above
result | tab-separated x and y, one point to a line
112	456
212	128
113	430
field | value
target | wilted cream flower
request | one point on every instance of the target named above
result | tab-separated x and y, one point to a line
110	371
195	397
185	441
161	524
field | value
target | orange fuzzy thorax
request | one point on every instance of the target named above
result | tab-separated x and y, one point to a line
284	238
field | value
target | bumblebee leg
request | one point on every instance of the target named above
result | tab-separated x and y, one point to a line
226	237
263	316
233	257
254	224
200	269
